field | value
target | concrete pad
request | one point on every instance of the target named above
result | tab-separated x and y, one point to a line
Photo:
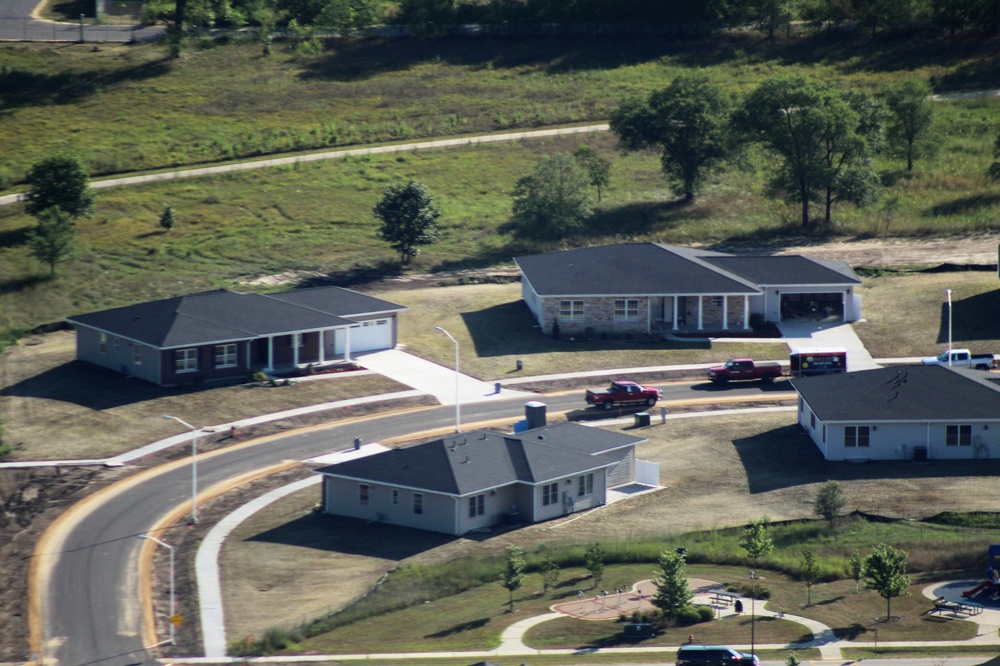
822	334
432	378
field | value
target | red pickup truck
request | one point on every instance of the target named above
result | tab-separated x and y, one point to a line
623	392
744	368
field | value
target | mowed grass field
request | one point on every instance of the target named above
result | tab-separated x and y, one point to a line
125	107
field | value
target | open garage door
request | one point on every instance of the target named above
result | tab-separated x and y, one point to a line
817	306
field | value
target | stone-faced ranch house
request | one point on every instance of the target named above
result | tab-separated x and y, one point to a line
474	480
649	288
910	412
224	334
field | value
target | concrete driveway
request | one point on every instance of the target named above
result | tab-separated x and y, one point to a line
812	333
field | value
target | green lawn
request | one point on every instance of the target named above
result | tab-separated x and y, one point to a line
907	314
494	329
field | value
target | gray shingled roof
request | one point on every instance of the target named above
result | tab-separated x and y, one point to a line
902	393
472	462
651	269
225	316
633	269
787	270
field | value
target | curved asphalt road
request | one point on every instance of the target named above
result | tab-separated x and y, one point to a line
87	571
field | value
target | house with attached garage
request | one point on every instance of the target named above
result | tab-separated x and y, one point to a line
223	334
474	480
910	412
651	289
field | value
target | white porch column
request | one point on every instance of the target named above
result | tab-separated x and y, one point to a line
296	343
649	314
675	314
746	312
347	343
701	309
246	350
270	353
322	347
725	313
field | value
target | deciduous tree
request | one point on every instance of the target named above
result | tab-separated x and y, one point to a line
593	562
885	572
829	501
687	122
910	118
409	218
550	573
598	169
755	541
62	181
167	218
552	201
856	565
54	238
512	578
809	572
994	170
672	592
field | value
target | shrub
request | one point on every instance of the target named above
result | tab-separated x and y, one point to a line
706	613
555	330
688	615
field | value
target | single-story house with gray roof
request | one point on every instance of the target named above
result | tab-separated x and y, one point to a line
650	288
222	334
474	480
910	412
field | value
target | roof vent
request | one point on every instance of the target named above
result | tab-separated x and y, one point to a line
541	437
464	441
466	461
482	436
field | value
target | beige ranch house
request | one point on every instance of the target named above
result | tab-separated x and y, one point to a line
475	480
654	289
908	412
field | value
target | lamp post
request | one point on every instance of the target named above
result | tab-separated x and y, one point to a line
753	608
948	292
194	467
172	609
458	408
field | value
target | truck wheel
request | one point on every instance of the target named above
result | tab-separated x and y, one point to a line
650	401
608	406
767	379
982	366
720	380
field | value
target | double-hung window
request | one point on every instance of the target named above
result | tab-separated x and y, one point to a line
550	494
418	502
857	436
364	492
102	343
571	310
958	435
626	308
186	360
585	485
225	356
477	505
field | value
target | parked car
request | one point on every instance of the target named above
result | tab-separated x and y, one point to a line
817	361
623	392
714	655
745	368
962	358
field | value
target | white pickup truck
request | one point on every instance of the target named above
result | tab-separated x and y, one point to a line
962	358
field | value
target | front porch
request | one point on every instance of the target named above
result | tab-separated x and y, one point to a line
282	354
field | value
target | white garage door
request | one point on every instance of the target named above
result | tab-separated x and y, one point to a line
370	335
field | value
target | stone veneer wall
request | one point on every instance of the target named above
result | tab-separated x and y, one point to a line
599	314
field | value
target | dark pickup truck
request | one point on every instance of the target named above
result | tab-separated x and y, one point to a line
744	368
623	392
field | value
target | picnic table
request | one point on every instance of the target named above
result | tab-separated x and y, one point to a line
723	598
943	605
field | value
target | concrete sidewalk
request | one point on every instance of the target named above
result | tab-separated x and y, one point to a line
433	379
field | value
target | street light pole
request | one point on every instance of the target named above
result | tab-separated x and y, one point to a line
458	408
194	467
172	608
753	608
948	291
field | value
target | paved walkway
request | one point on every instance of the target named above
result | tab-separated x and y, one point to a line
433	379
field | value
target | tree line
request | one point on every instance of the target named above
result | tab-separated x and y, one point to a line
678	16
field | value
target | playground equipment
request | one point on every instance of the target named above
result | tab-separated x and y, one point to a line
992	582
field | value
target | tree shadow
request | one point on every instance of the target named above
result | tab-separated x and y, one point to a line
354	275
24	88
963	205
24	282
14	237
459	628
641	218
